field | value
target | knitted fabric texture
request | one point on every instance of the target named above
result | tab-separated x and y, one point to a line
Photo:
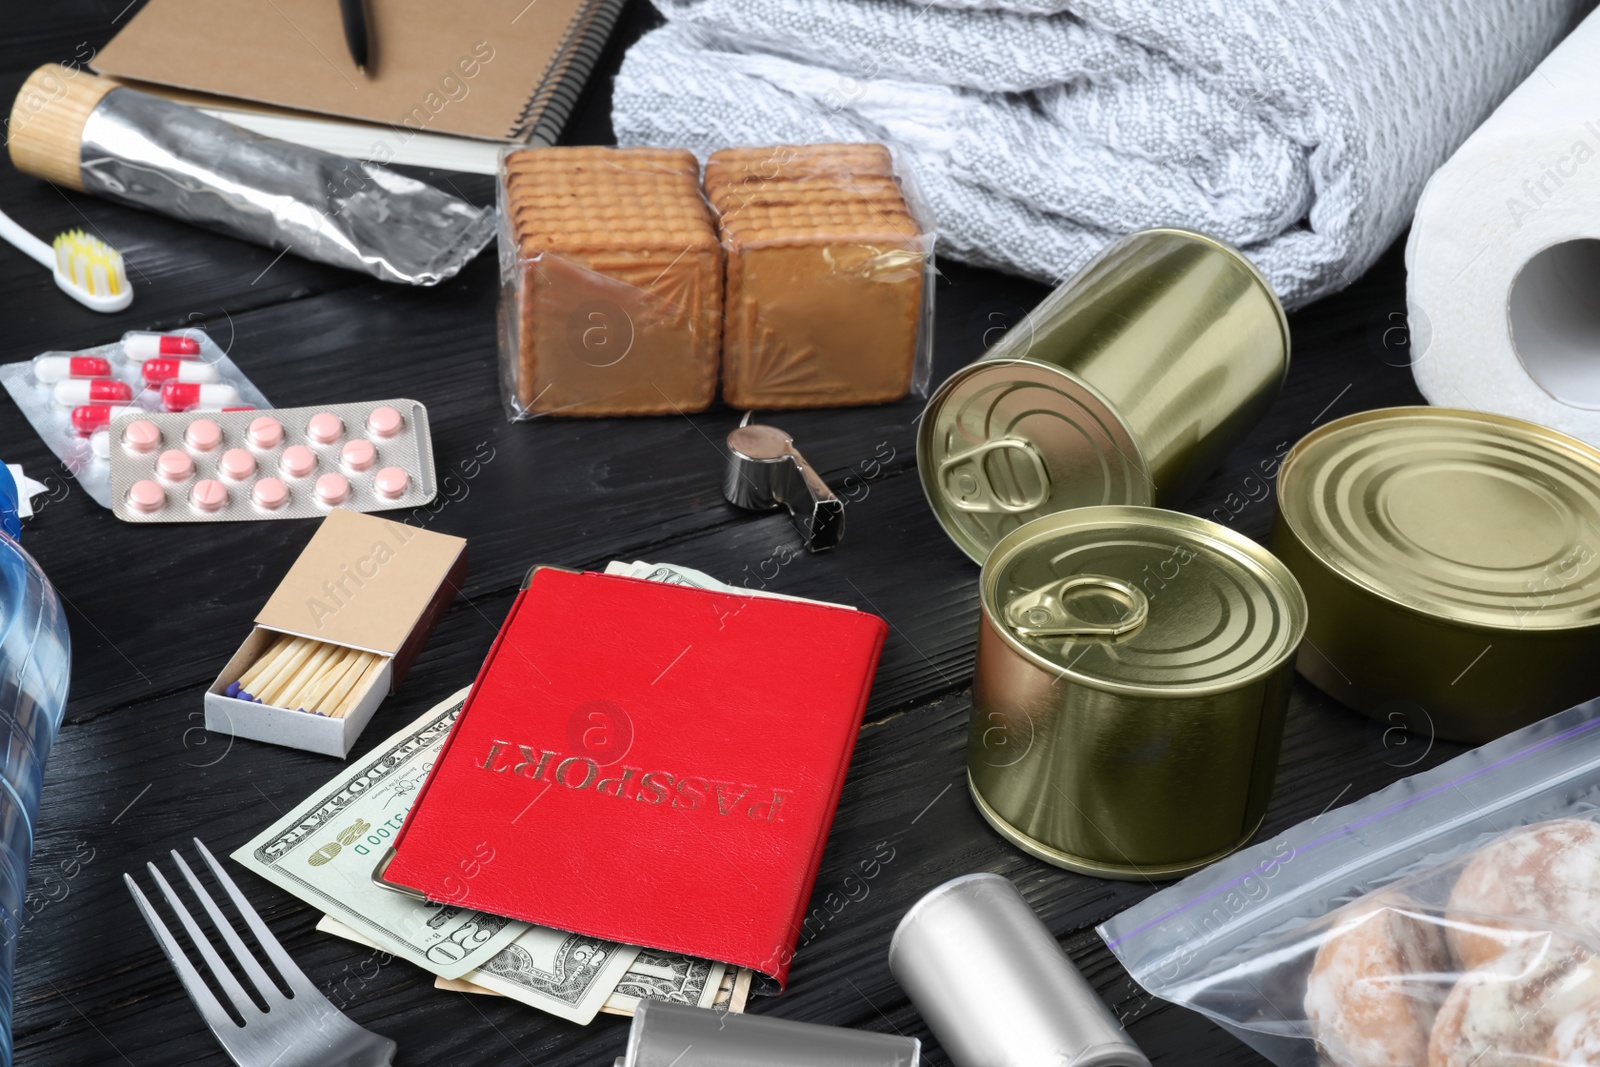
1302	131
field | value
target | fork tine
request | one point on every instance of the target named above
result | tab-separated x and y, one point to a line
286	966
247	960
210	1009
230	984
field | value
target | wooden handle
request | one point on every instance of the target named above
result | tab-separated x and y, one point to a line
47	119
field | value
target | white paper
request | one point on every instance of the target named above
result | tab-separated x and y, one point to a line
1528	180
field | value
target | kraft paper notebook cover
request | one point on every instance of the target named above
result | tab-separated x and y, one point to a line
651	764
501	70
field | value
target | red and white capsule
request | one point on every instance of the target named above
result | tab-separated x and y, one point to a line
90	417
181	396
143	346
51	369
157	371
75	391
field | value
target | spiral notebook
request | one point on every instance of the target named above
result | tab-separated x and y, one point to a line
446	85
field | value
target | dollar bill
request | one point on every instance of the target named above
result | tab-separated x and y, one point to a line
740	993
664	976
668	977
652	975
673	574
668	573
564	974
324	851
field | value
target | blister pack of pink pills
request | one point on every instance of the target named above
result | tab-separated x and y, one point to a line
70	398
290	463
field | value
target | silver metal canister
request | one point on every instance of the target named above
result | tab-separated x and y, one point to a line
1132	678
1127	385
678	1035
995	987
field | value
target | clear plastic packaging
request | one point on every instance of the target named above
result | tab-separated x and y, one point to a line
35	658
611	283
1452	919
292	463
191	371
829	252
801	275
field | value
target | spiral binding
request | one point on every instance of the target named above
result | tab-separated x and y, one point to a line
551	104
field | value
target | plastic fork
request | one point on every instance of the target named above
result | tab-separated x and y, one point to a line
302	1029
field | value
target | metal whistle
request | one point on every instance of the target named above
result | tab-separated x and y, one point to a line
765	472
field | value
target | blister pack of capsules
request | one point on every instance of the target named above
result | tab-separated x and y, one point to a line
70	398
290	463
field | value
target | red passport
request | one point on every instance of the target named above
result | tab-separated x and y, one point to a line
652	764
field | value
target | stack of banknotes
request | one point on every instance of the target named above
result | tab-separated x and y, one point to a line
324	852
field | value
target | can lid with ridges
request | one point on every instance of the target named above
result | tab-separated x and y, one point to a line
1004	442
1143	600
1478	520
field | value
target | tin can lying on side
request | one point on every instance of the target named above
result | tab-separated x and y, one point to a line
995	987
678	1035
1133	672
1451	561
1127	385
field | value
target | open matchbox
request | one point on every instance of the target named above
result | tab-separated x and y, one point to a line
362	582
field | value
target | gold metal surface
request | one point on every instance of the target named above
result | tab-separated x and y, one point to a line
1451	561
1133	672
1117	872
1127	385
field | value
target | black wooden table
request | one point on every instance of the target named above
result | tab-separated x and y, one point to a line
156	610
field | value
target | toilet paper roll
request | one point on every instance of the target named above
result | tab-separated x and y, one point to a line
1503	294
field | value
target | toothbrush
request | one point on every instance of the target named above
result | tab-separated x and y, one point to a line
86	268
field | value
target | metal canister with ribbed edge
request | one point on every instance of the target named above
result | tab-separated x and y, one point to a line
1127	385
1132	679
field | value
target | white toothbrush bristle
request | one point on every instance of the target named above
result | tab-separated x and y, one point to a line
91	264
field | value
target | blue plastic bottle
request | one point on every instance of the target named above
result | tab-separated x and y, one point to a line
35	658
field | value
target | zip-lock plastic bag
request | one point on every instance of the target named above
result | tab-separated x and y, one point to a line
1452	919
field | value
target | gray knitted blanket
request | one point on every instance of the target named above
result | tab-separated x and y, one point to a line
1300	130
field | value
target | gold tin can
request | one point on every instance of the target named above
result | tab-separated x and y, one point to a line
1451	561
1133	675
1127	385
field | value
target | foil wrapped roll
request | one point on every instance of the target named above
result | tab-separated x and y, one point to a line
995	988
677	1035
151	153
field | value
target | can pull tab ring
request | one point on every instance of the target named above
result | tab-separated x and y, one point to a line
1049	610
970	487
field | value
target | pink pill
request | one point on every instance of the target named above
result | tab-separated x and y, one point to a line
325	428
141	435
237	464
265	432
299	461
174	465
203	435
391	482
385	421
358	455
333	489
209	495
146	496
270	493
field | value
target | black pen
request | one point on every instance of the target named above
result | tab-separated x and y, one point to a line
355	31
